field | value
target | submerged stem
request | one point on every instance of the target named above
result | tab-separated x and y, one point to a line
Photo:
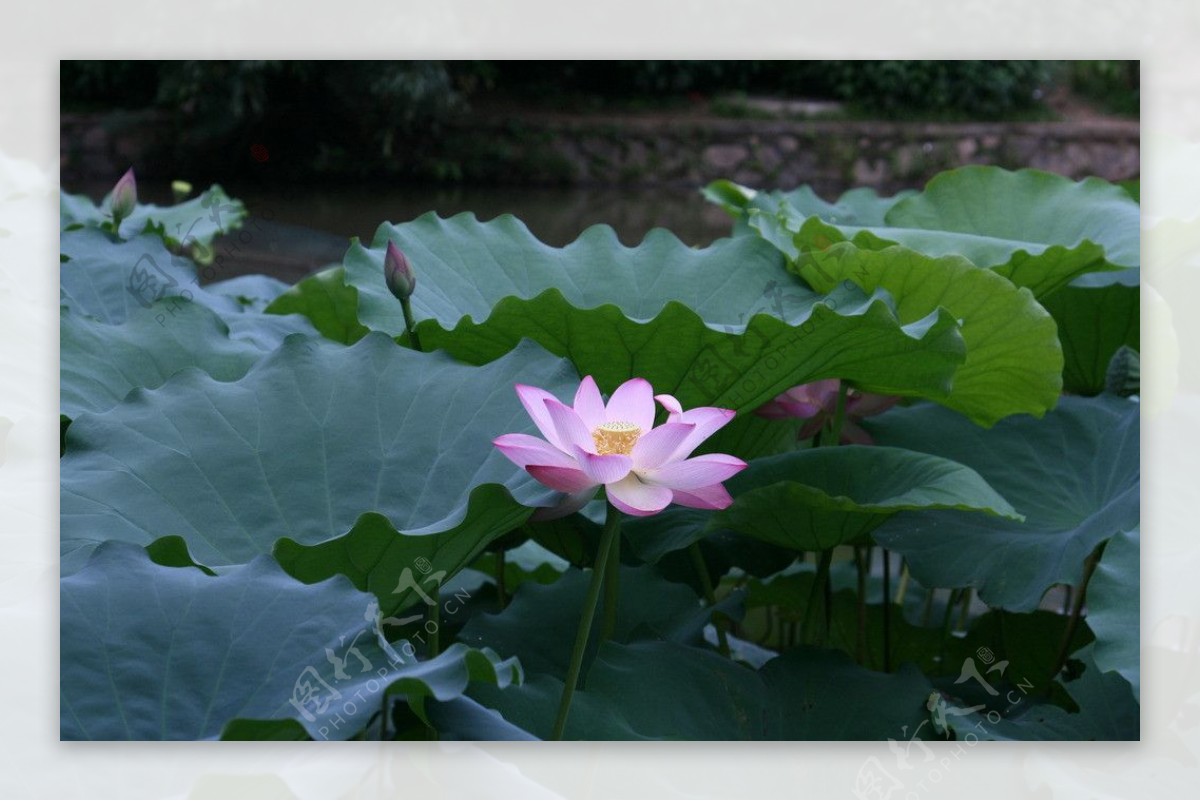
612	527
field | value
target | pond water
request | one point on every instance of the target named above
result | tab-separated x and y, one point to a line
555	215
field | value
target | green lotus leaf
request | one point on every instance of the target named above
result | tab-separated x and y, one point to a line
1014	361
403	569
165	653
725	325
194	222
312	437
325	300
818	498
1074	475
1094	322
1106	710
102	363
1113	608
664	690
117	281
1035	228
538	625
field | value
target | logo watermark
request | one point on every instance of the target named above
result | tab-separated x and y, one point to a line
912	779
148	282
334	701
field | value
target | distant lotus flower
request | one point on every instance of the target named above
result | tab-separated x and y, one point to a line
398	273
124	197
642	468
817	403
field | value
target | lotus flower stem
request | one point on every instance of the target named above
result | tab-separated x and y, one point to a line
818	589
862	560
887	611
410	324
839	414
612	528
612	590
1064	648
947	617
501	585
710	595
965	612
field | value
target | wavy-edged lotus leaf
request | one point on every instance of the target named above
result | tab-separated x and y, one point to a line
251	644
819	498
1014	361
138	280
194	222
1114	609
116	281
102	363
1074	474
404	569
326	300
313	436
724	325
1037	229
859	206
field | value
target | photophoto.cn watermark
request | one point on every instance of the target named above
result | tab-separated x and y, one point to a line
149	282
357	681
911	777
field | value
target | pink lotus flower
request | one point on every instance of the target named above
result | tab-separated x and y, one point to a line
642	468
817	403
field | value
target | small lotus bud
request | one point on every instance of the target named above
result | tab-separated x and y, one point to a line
124	197
180	190
398	273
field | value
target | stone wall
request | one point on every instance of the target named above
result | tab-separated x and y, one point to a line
661	150
830	155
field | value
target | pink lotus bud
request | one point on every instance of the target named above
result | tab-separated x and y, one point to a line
124	197
398	273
